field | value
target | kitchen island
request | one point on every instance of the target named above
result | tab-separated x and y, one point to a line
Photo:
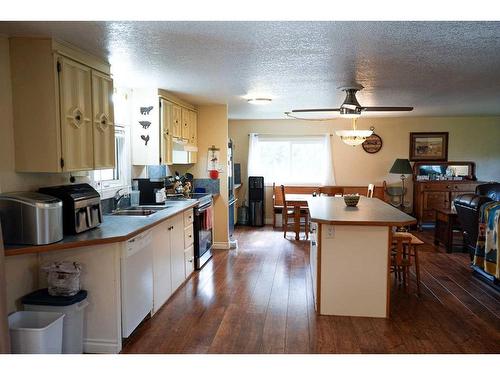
350	255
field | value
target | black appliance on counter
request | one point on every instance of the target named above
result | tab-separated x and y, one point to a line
202	226
256	201
148	188
81	206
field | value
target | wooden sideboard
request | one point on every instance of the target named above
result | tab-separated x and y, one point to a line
429	195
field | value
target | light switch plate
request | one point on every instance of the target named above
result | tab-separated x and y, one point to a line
329	231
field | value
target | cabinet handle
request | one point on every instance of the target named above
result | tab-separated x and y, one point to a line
190	236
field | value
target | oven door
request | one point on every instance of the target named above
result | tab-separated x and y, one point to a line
203	224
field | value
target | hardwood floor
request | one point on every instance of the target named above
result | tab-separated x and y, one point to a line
258	299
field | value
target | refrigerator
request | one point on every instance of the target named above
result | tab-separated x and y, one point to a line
230	184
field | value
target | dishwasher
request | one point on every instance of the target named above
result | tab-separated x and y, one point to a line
136	281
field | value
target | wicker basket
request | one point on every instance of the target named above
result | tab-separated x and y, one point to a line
351	200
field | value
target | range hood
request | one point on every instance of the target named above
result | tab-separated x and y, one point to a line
183	152
183	145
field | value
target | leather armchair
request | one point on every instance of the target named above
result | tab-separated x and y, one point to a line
468	209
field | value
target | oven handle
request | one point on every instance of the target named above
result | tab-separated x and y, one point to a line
202	209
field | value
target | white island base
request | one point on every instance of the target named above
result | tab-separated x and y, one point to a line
353	273
350	255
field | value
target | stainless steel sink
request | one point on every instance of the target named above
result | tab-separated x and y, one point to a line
139	210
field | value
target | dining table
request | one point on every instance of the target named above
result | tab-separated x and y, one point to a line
298	202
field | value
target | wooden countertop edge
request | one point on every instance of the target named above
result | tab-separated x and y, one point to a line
36	249
365	223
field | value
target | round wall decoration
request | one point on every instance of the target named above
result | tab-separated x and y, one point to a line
373	143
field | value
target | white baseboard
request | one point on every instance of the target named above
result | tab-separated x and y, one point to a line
101	346
221	246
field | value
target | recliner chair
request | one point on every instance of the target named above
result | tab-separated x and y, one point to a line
468	209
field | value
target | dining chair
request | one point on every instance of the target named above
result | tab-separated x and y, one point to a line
404	249
288	215
371	187
277	207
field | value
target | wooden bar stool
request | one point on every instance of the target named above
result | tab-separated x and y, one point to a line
405	247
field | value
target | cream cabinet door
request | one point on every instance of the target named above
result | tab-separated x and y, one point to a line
162	279
103	121
193	128
166	126
186	121
177	250
176	121
76	116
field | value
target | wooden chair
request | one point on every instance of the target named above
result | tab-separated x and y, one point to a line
404	249
371	188
277	205
289	216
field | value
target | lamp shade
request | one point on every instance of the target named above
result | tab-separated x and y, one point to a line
401	166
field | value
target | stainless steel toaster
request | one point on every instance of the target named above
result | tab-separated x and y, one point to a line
31	218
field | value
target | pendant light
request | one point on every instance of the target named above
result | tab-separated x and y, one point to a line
353	137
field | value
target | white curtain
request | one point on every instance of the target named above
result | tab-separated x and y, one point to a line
328	175
253	144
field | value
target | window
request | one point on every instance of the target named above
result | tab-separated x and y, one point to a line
112	177
304	160
109	180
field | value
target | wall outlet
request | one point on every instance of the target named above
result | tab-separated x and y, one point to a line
329	231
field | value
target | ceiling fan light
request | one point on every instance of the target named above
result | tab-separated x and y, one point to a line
353	137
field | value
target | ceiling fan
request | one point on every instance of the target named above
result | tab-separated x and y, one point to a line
350	108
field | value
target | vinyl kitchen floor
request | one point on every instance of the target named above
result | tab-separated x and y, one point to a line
258	299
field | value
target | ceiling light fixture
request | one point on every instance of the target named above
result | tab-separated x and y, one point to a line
353	137
259	101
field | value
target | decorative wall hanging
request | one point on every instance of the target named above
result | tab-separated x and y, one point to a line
145	124
145	138
429	146
146	110
373	143
213	159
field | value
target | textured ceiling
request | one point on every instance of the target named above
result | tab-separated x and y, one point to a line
440	68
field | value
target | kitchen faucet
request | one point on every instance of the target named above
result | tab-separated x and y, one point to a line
118	197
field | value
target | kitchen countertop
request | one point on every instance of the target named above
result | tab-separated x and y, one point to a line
369	211
112	229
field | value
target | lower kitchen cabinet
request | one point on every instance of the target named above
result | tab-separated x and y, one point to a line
189	261
162	274
177	251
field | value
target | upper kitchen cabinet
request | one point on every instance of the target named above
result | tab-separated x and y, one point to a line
63	113
103	117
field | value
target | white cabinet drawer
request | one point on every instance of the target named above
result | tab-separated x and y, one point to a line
189	261
188	236
188	217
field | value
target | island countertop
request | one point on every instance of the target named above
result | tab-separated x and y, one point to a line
369	211
112	229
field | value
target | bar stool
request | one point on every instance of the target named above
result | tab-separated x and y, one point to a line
405	247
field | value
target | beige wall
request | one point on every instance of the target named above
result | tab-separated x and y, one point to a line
476	139
9	179
213	130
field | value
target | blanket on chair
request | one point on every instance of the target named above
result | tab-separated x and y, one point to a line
488	239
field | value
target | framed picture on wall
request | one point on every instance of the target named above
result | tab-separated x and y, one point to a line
431	146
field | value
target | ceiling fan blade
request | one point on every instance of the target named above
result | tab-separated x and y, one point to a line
310	116
316	110
386	109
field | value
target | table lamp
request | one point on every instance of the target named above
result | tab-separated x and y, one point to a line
402	167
